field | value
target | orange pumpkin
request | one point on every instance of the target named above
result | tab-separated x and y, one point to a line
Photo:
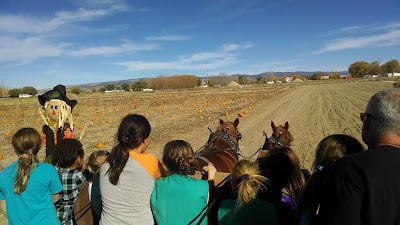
99	145
240	114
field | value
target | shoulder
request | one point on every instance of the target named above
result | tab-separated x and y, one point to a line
46	166
143	157
227	204
181	179
9	168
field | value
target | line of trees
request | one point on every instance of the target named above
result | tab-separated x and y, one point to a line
175	82
15	92
361	68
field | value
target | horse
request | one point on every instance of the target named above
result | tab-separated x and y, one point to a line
221	148
281	136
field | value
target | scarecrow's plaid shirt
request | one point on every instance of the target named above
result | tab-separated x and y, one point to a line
72	181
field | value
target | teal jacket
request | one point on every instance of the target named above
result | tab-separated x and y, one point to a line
177	199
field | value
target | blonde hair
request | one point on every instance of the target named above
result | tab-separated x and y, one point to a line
26	142
96	159
178	157
246	181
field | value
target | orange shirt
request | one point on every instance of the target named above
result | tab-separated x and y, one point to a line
149	162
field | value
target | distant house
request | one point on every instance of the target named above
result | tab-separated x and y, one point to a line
288	79
324	77
348	77
147	89
24	96
393	74
270	82
233	84
112	91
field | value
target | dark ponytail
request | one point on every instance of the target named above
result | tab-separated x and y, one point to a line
132	131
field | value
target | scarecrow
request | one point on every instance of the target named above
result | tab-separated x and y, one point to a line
57	117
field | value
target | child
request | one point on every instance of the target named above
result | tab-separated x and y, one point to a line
28	187
127	178
246	208
87	208
329	150
286	181
178	198
70	158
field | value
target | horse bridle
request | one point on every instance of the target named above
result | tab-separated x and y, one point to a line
276	140
224	136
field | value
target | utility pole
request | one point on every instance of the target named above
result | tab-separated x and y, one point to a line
3	88
207	79
379	66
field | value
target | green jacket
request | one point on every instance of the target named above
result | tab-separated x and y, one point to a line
255	212
177	199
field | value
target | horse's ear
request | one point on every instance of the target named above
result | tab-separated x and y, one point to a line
287	125
236	122
273	125
221	121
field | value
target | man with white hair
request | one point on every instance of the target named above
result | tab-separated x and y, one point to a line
364	188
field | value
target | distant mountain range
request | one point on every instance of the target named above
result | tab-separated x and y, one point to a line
283	74
98	85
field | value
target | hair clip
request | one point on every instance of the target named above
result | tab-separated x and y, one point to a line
320	168
245	177
29	152
128	136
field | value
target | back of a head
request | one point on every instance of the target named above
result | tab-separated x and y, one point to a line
67	150
246	181
27	143
26	139
179	158
96	159
132	131
334	147
283	165
276	167
386	107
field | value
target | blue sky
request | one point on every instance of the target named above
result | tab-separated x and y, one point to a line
47	42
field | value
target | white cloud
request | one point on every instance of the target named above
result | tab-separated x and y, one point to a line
202	56
344	29
110	50
235	47
140	65
21	51
24	24
168	38
198	61
390	38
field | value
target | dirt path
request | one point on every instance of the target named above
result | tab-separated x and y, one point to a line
313	112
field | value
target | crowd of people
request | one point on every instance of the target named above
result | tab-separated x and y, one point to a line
129	185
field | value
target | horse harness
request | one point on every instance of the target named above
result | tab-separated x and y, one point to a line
273	140
225	137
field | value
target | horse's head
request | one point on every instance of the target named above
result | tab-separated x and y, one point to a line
226	135
281	136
